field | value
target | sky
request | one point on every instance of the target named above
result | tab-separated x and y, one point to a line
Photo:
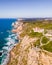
25	8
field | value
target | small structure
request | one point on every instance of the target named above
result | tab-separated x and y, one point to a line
37	29
20	19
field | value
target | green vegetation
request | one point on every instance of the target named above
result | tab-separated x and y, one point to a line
35	34
48	46
41	24
29	25
46	25
45	31
37	43
44	40
28	30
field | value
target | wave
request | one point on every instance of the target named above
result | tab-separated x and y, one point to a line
11	42
5	60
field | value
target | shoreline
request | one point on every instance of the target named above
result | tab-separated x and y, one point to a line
17	29
10	54
6	60
28	49
17	25
8	57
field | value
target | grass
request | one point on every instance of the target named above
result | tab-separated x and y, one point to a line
44	40
35	34
29	25
37	43
48	47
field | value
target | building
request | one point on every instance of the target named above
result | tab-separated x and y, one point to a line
37	29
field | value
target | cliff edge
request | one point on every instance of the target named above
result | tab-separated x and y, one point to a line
34	47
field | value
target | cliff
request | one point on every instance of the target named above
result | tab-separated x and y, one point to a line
31	48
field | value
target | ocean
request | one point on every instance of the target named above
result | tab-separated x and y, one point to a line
7	38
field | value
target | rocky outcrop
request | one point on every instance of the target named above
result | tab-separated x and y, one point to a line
25	53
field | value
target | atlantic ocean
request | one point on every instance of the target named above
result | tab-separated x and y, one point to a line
6	35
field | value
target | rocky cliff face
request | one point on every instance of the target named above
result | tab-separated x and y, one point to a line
27	51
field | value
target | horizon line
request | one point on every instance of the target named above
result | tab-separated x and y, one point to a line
22	17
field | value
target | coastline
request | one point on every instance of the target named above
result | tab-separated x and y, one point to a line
10	56
15	25
26	51
7	59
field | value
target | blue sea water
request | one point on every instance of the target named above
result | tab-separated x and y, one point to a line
6	36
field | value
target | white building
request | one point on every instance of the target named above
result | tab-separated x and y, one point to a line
37	29
20	19
49	35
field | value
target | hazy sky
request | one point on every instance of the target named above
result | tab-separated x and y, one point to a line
25	8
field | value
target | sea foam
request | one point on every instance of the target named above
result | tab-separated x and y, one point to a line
11	42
